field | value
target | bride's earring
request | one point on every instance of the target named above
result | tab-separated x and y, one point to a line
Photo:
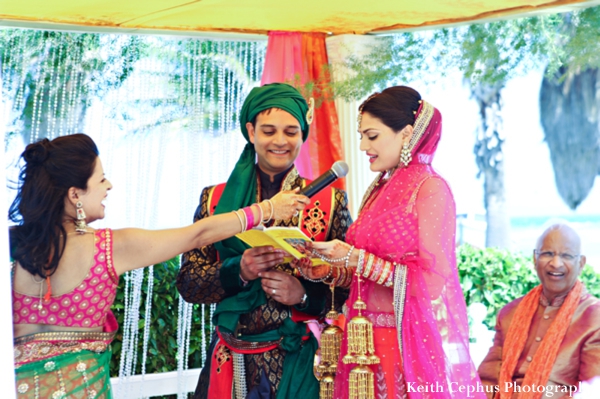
405	156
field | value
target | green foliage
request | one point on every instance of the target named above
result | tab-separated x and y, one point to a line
493	277
162	345
496	277
580	35
489	53
393	59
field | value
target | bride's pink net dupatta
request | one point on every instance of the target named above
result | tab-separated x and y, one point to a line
420	325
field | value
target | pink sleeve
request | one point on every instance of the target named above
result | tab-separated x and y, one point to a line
437	228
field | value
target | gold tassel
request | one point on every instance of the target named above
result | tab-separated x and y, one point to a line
331	346
361	383
361	351
326	386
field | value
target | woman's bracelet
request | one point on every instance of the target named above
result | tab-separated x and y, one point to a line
271	213
369	266
348	257
344	259
385	273
240	219
249	217
304	276
361	261
260	214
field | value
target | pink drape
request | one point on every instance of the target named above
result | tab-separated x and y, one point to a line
298	58
410	220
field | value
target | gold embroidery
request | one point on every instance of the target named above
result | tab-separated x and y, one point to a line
64	336
222	356
34	351
314	221
420	125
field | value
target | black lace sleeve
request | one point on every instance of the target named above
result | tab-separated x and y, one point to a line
198	279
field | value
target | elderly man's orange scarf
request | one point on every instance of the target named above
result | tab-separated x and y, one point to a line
539	370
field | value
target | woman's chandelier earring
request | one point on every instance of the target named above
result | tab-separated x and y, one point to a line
80	224
405	156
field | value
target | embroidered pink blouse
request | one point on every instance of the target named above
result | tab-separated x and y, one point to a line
88	305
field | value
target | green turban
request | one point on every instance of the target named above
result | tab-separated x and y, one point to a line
274	95
241	185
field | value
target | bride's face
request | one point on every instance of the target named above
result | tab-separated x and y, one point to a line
381	144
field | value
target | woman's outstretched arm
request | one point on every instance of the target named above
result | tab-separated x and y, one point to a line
135	248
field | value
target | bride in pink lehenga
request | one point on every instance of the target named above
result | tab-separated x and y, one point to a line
403	247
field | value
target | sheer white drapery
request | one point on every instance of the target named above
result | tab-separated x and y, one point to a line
165	129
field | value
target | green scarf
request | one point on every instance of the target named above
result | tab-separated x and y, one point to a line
241	187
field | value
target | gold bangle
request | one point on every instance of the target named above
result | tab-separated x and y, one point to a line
367	271
376	270
385	273
240	219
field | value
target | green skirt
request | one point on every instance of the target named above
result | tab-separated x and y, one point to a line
83	374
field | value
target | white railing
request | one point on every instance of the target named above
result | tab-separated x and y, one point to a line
143	386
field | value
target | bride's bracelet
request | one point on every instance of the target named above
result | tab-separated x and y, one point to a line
361	261
344	259
304	276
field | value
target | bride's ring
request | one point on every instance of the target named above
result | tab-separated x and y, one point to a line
273	291
296	213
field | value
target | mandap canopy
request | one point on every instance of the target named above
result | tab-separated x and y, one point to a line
262	16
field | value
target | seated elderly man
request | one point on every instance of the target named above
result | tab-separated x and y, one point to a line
548	340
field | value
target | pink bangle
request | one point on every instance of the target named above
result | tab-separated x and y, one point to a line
249	217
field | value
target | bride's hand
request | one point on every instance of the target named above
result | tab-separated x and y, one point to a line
286	204
335	249
306	269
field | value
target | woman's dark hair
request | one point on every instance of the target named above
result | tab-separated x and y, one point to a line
395	106
51	168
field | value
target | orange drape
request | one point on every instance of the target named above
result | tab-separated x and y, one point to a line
298	58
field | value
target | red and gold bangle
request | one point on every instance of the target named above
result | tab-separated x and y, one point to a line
387	269
336	276
348	279
369	266
341	277
390	280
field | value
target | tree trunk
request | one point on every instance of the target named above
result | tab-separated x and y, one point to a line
570	117
490	161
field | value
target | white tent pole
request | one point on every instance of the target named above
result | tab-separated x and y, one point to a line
7	371
360	176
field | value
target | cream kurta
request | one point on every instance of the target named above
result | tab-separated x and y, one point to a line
579	354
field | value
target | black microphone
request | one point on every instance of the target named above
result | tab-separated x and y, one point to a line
338	169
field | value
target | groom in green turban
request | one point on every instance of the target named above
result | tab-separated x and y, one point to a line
262	347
